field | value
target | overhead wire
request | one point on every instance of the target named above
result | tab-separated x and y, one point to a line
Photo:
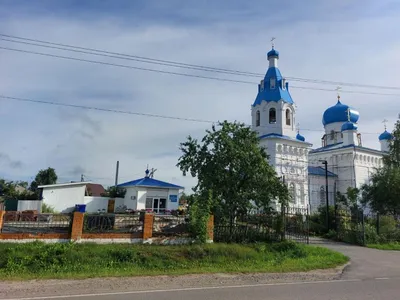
129	112
144	59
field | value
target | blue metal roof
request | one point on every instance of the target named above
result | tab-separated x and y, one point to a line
319	171
338	113
273	52
267	94
150	182
280	136
300	137
349	126
337	146
385	136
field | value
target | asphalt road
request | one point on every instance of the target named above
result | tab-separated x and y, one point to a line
373	274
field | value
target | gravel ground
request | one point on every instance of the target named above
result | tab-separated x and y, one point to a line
38	288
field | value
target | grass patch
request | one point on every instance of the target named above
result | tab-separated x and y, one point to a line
389	246
43	261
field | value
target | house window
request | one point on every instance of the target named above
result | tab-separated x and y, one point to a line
149	203
258	118
272	115
272	83
288	117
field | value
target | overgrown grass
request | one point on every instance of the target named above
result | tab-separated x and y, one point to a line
39	260
389	246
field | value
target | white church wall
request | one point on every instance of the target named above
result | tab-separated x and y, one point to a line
317	191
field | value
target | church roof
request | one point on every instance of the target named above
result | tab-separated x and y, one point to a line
319	171
284	137
340	146
385	136
279	91
150	182
338	113
349	126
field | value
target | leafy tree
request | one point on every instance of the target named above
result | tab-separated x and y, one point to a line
114	192
230	162
44	177
382	193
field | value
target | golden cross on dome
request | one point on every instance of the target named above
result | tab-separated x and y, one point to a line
384	122
338	89
272	42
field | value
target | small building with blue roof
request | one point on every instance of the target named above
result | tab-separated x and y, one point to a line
151	194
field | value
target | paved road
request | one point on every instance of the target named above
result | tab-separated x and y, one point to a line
373	274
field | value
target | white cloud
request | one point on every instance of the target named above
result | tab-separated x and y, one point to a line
333	45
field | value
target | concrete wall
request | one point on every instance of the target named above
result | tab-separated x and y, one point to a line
95	204
64	198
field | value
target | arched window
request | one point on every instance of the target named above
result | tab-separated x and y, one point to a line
258	118
292	192
272	83
288	117
272	115
322	196
332	134
302	196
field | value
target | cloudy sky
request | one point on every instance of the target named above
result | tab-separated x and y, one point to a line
341	41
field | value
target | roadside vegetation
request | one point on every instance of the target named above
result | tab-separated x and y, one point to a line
389	246
44	261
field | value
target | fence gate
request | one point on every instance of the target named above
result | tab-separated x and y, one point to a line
296	224
349	226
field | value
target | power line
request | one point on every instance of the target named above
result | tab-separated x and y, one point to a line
182	74
128	112
179	64
105	109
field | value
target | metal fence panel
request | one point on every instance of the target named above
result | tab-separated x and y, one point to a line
33	223
167	225
112	223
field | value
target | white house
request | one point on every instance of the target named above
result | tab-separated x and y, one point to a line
151	194
64	196
349	163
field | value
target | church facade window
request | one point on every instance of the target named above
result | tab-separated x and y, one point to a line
272	115
258	120
288	117
292	191
322	199
272	83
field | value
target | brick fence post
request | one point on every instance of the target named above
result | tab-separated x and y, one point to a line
148	221
77	226
2	213
210	228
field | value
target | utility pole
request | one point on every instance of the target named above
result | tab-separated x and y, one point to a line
324	162
116	174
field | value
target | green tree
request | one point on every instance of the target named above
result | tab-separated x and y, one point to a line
382	193
114	192
43	177
230	162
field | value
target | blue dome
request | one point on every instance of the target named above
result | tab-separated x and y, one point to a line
273	52
385	136
300	137
338	113
349	126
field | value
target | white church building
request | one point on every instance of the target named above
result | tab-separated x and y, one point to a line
349	163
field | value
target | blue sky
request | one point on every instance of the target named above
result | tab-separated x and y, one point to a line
348	41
